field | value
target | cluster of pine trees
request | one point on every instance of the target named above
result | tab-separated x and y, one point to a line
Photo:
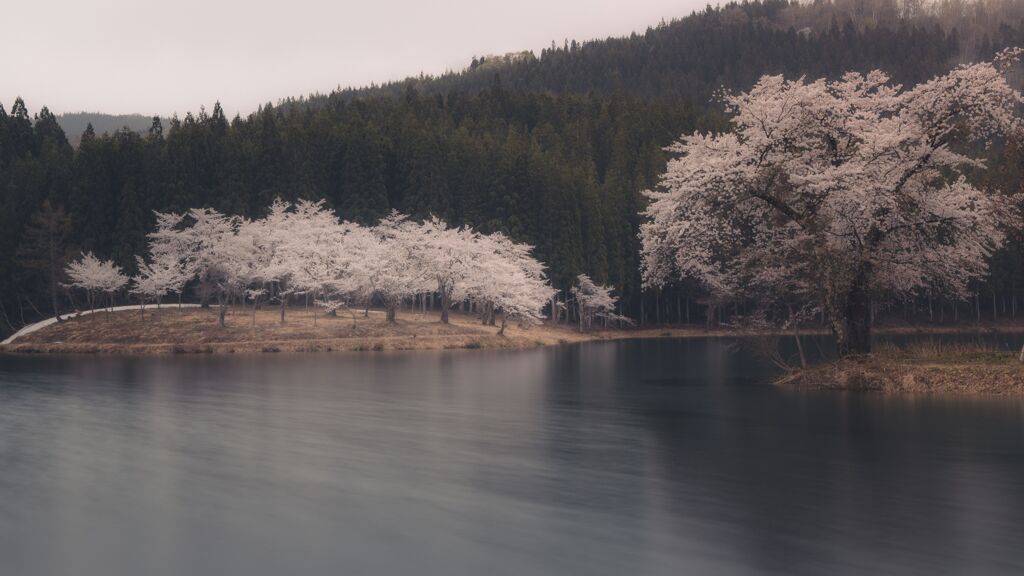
553	151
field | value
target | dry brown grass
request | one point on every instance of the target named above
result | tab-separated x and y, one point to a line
195	330
922	367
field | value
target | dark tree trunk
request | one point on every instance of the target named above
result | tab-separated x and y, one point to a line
851	324
392	313
643	313
445	304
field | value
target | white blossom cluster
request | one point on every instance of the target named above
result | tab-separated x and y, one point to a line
305	249
95	276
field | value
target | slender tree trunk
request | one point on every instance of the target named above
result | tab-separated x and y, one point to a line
284	304
446	297
222	311
21	308
504	321
643	315
53	284
7	319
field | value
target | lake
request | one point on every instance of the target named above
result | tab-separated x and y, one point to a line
633	457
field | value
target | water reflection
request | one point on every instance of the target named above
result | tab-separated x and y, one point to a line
656	457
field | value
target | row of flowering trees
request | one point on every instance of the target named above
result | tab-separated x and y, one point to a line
304	249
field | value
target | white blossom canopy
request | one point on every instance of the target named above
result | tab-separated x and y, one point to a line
828	187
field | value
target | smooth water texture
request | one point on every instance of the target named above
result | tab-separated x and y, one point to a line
642	457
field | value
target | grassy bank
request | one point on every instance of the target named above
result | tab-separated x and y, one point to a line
924	367
196	330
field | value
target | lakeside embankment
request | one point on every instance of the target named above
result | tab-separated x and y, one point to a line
171	330
920	368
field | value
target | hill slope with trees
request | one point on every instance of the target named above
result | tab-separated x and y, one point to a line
553	150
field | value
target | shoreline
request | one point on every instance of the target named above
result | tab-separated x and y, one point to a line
193	330
927	366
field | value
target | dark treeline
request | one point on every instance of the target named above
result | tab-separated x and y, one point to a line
553	151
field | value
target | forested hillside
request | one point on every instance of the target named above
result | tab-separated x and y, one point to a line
552	150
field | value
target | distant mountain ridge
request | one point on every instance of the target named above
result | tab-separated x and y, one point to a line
689	58
74	123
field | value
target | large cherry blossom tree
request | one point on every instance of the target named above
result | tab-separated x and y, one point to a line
832	192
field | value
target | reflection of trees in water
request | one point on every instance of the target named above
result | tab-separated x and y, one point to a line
795	482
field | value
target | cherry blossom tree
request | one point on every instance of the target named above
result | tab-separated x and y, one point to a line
279	228
155	280
215	253
504	277
95	276
834	192
391	264
170	249
445	255
594	301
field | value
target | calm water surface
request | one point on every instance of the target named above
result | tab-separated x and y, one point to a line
654	457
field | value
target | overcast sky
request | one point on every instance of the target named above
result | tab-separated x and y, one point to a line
121	56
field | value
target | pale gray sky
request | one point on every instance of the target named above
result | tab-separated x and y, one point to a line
121	56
